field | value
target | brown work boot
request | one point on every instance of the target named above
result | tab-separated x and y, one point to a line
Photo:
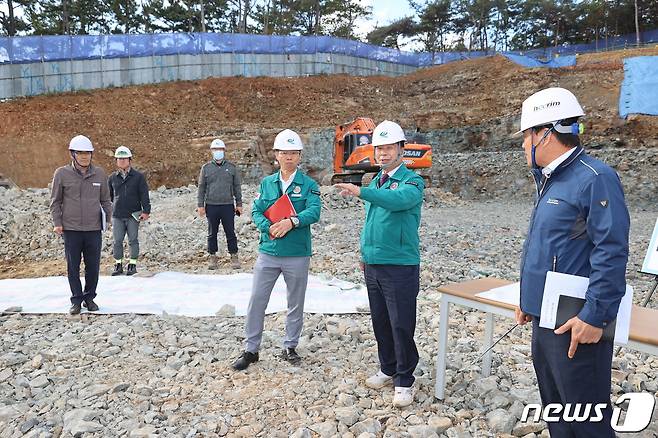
212	262
235	262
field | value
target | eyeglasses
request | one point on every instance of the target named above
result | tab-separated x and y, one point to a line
288	152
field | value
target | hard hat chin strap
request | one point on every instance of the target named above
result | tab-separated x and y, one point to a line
398	160
392	165
533	151
75	159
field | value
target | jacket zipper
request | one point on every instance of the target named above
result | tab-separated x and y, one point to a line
554	263
82	219
540	191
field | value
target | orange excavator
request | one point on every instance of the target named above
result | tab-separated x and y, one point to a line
354	154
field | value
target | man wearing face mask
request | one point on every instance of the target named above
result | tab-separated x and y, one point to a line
390	257
79	203
219	198
579	226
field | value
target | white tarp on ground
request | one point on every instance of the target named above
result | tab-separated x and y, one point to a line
178	293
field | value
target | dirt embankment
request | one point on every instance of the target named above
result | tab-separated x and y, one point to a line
169	125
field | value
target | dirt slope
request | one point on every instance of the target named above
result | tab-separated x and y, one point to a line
167	125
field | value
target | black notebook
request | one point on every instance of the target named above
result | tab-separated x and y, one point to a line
568	307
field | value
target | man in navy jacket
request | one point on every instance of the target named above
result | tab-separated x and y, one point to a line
579	226
131	205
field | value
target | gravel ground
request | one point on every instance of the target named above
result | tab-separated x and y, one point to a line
141	375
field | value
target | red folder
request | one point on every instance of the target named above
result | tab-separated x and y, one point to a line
281	209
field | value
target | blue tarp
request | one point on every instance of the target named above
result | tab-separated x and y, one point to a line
140	45
527	61
639	90
57	48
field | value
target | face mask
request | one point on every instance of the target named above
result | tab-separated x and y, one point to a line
218	155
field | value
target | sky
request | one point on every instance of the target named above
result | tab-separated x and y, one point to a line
383	12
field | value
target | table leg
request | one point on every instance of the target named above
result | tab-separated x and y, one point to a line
488	340
439	388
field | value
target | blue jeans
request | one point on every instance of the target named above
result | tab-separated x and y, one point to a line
121	226
392	292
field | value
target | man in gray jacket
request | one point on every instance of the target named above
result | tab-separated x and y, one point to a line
80	207
219	198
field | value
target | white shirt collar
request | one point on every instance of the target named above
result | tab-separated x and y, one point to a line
391	172
550	168
286	184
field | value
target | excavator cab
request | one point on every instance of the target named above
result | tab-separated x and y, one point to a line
352	141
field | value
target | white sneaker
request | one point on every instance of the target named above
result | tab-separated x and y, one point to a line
379	380
403	397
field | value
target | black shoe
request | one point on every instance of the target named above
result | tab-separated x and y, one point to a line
75	309
91	306
291	356
118	269
245	359
132	269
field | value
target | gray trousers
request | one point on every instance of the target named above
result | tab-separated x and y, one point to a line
121	226
266	272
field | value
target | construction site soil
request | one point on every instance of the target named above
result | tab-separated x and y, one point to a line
132	375
169	125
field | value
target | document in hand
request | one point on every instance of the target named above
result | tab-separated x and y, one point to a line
556	310
281	209
568	307
136	215
103	220
650	265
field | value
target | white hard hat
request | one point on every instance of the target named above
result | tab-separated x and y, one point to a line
81	143
387	132
288	140
217	144
549	106
122	152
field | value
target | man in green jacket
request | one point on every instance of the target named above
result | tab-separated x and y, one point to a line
391	260
284	248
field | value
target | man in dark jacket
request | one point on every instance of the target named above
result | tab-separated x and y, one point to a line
79	206
130	194
579	226
219	198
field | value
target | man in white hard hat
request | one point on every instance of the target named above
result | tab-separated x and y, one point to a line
390	257
579	226
285	248
219	198
131	204
80	205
